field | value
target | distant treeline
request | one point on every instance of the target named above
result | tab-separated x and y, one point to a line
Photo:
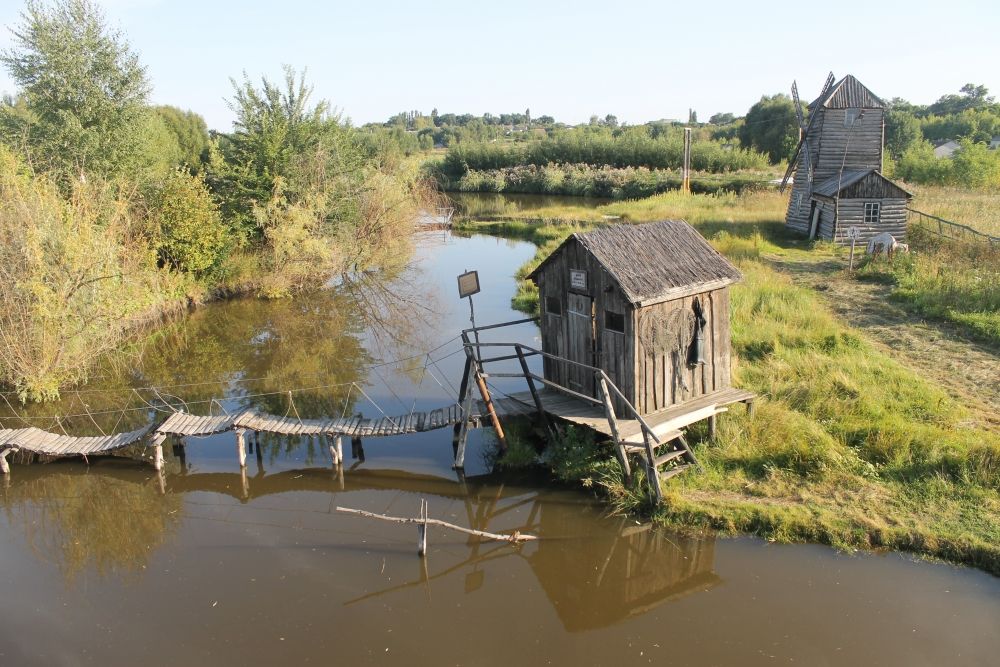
586	181
638	146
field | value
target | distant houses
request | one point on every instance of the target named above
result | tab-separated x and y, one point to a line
948	148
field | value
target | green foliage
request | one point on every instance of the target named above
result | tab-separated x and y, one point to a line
69	283
83	86
973	165
771	127
600	146
191	135
902	130
585	181
188	233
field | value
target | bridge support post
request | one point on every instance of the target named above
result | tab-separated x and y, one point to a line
337	450
4	466
158	451
241	450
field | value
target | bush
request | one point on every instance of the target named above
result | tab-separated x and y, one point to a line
188	233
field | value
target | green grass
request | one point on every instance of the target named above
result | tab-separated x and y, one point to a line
847	446
946	280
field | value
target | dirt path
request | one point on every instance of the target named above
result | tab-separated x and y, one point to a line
968	370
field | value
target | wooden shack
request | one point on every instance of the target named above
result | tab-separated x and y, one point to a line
648	304
837	166
864	199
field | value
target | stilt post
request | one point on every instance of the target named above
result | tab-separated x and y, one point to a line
422	530
609	411
241	450
158	451
4	466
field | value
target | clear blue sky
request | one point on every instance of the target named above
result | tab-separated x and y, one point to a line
638	60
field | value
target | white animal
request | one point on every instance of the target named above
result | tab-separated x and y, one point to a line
885	242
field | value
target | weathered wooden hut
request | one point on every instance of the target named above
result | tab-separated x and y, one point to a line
864	199
648	304
837	165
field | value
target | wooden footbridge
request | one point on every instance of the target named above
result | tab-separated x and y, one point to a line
656	441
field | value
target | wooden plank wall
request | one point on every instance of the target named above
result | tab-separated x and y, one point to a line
615	351
852	213
847	148
656	387
833	147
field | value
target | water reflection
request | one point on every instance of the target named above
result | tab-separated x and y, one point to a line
245	352
106	523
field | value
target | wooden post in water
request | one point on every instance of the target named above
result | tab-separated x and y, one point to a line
241	451
337	451
422	530
4	466
158	451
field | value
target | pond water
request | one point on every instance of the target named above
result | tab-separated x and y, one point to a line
99	567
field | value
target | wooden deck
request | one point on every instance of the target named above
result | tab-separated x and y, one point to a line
662	423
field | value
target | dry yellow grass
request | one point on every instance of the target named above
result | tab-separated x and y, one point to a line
977	209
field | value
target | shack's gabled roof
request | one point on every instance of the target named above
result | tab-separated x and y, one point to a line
831	187
848	93
654	262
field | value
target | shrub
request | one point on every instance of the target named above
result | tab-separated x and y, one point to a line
188	233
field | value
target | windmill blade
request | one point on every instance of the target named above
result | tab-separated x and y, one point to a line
798	105
830	78
791	164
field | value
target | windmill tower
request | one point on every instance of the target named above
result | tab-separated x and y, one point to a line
842	136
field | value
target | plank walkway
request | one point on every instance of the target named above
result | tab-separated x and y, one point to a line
558	404
182	424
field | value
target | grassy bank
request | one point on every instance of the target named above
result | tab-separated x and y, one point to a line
847	447
975	208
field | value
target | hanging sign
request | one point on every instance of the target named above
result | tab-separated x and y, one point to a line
468	284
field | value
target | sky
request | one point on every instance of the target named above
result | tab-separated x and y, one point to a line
640	61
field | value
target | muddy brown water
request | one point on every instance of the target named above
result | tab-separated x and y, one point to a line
98	567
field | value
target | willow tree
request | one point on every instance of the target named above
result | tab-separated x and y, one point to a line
82	87
296	180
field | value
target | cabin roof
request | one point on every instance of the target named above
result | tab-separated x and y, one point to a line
831	187
654	262
848	93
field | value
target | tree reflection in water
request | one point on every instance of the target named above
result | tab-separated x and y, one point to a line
110	524
227	354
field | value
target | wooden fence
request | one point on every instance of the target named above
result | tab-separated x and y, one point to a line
948	229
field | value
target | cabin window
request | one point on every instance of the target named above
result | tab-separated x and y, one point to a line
553	306
577	279
614	321
873	212
850	116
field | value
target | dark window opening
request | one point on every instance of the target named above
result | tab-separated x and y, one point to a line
553	306
614	321
873	212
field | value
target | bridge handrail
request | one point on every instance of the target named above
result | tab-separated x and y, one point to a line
468	344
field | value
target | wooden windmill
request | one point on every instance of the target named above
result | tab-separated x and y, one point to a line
838	163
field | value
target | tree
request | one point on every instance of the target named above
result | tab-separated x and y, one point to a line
972	97
771	127
902	130
191	133
83	85
188	233
721	119
692	117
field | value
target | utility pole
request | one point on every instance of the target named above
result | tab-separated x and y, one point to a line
686	175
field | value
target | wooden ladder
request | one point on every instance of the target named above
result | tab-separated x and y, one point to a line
663	457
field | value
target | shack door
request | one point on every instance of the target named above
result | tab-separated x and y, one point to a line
580	324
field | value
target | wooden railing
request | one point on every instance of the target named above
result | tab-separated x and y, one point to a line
475	369
950	230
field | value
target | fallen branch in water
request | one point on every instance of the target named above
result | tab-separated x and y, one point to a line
513	538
